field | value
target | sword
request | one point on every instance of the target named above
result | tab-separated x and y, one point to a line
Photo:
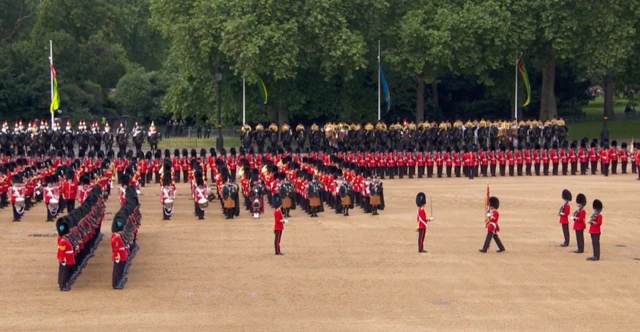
431	207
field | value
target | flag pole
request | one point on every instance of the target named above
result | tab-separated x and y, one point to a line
51	74
516	94
244	109
378	80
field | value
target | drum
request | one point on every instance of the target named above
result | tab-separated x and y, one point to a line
203	203
286	202
314	201
256	204
229	203
168	206
374	200
346	200
20	205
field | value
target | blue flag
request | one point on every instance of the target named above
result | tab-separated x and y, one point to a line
385	88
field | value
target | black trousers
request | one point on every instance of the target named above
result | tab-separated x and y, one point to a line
439	170
420	171
448	169
185	176
580	240
430	171
412	171
380	171
527	169
519	169
511	170
634	167
471	170
487	241
276	241
565	168
565	232
554	168
604	168
157	177
64	274
456	170
117	278
583	168
492	168
536	168
595	242
143	179
391	171
624	167
4	201
199	211
483	170
614	167
545	169
574	167
422	233
503	169
70	205
594	167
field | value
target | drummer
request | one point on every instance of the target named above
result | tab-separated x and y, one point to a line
17	197
51	198
167	195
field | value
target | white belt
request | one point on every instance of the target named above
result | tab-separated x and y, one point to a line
69	252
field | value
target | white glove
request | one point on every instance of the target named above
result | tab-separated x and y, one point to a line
64	263
572	218
285	221
117	260
431	218
562	214
489	214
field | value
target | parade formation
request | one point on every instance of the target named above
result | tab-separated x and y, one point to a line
342	169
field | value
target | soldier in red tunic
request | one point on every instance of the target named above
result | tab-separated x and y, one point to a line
493	160
583	157
613	157
564	158
428	160
119	255
70	191
537	159
66	257
502	159
546	158
278	223
593	158
411	163
422	220
563	213
420	162
595	223
519	160
401	164
623	155
492	225
511	161
604	158
579	224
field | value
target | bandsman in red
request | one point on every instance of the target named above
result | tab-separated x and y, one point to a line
391	164
595	224
51	198
564	158
544	155
511	161
528	159
401	163
493	160
422	220
502	160
583	157
492	225
537	159
439	163
69	190
411	163
232	163
457	162
555	159
428	159
579	223
420	162
564	214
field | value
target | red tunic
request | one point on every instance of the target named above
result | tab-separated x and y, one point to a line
564	215
579	222
119	251
69	190
421	218
278	220
595	227
65	251
492	222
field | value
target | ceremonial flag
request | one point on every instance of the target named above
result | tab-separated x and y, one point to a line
525	80
385	88
263	91
55	99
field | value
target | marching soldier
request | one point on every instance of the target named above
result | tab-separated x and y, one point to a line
70	191
595	223
623	155
565	209
492	225
51	198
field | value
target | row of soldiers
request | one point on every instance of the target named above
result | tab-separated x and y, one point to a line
502	124
36	126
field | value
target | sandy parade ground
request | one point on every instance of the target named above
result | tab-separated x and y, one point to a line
356	273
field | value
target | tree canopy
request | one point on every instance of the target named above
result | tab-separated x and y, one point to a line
158	59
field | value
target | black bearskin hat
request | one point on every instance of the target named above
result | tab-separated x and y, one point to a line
203	153
185	153
166	179
581	199
157	154
623	145
125	179
118	222
194	153
494	202
232	151
176	153
101	154
62	225
421	199
597	205
614	143
566	195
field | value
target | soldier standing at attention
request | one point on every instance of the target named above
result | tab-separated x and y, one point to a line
594	229
492	225
579	223
278	222
421	201
565	209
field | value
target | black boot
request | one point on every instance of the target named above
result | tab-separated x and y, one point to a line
498	242
487	241
565	232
